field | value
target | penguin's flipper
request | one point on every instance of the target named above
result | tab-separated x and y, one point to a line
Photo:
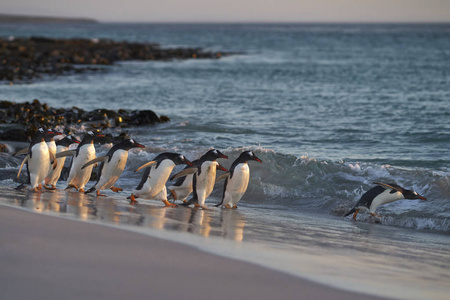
66	153
223	176
95	160
145	165
22	151
52	159
185	172
386	185
21	165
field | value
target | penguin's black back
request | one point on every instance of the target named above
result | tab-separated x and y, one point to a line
367	197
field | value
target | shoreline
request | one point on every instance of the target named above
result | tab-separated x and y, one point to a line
112	263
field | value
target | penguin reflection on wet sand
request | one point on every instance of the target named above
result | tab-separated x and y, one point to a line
381	194
156	174
112	166
54	174
205	178
236	180
85	152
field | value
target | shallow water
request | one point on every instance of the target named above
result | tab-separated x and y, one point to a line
365	257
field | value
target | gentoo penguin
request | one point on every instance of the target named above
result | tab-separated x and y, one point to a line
381	194
112	166
182	188
153	183
236	180
84	153
54	174
39	160
204	179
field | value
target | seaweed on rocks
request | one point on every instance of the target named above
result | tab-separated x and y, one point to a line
19	121
30	58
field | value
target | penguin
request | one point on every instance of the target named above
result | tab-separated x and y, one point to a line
39	160
153	183
112	166
61	145
381	194
182	188
236	180
204	179
85	152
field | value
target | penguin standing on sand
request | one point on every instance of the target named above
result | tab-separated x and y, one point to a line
205	178
157	172
85	152
39	160
381	194
112	166
236	180
54	174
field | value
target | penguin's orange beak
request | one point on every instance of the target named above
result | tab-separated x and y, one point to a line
188	162
139	145
421	198
222	168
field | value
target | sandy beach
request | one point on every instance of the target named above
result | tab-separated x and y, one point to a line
46	257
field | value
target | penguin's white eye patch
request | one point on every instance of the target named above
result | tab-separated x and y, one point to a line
41	130
215	151
90	133
415	193
132	141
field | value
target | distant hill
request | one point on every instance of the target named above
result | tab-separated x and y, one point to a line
4	18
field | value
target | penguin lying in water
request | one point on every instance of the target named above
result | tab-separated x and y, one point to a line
205	178
381	194
236	180
112	166
157	172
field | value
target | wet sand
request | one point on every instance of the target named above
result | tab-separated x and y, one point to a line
46	257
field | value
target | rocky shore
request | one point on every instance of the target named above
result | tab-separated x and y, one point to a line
23	59
19	121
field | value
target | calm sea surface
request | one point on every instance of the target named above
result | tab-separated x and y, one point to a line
328	108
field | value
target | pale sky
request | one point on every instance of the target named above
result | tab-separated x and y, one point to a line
237	10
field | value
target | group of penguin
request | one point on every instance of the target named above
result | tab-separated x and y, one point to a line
45	159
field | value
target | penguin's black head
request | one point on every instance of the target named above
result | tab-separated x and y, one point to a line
90	136
410	194
212	155
128	144
50	134
67	141
177	158
40	135
248	155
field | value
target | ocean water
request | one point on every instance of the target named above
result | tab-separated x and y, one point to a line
330	109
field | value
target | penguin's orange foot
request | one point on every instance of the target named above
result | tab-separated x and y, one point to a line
228	206
40	187
98	194
81	190
116	189
132	199
36	189
375	215
174	196
49	187
197	205
168	204
235	206
206	208
355	214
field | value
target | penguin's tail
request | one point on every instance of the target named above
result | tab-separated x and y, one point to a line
90	190
21	187
350	212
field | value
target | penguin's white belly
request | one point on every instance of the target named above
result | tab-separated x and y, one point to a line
383	198
53	176
39	163
183	191
112	170
156	181
237	185
79	177
52	148
205	182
